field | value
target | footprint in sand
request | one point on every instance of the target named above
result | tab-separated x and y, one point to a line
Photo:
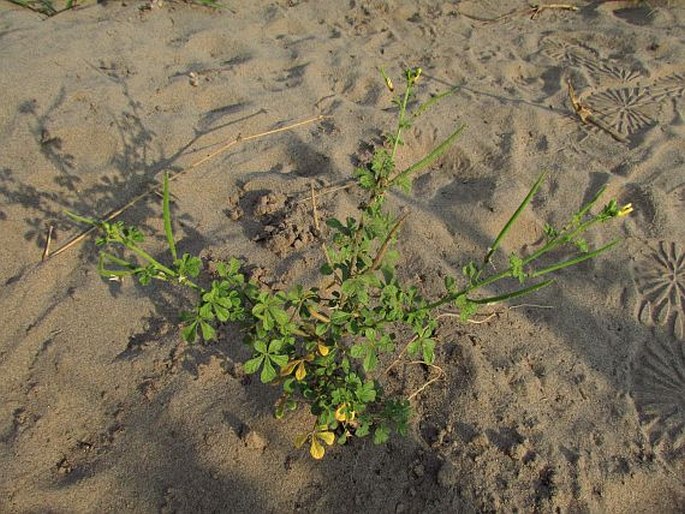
658	389
660	281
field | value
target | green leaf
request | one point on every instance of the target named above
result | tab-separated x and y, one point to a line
516	265
260	346
268	372
275	345
280	316
367	392
189	332
252	365
188	265
145	275
370	360
428	346
413	347
222	313
471	272
357	351
467	307
336	224
279	360
339	317
206	311
208	331
581	244
363	430
365	178
381	435
550	231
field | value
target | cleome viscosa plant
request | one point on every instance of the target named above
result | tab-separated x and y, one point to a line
323	346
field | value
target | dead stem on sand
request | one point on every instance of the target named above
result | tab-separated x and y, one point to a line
588	117
48	240
533	11
537	9
441	374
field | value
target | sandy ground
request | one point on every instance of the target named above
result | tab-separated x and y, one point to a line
572	402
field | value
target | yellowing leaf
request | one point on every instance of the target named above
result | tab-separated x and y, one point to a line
326	437
300	440
323	349
288	368
300	372
343	413
316	449
339	414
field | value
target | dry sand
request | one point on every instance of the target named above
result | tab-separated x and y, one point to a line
574	402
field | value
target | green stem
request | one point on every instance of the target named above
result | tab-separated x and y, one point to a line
514	217
453	296
428	159
572	262
515	294
161	267
561	239
150	259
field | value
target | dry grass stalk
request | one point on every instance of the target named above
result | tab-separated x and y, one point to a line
48	240
441	374
315	211
588	117
537	9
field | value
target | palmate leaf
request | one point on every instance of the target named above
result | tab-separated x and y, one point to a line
317	450
381	435
252	365
425	346
208	331
268	371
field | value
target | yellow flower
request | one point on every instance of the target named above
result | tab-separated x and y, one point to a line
625	210
388	81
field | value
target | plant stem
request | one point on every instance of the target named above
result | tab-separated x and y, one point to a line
401	122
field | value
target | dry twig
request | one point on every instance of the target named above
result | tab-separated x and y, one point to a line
328	190
537	9
441	373
533	12
588	117
48	240
315	211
